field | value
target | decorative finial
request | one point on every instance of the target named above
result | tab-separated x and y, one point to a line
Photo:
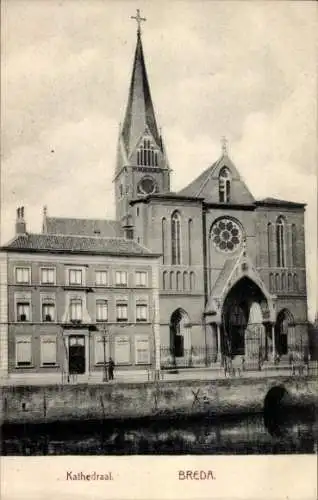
44	211
138	19
224	143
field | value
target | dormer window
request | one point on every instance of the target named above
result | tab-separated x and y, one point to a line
225	185
147	155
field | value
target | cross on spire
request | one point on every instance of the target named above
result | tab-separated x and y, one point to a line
224	143
139	20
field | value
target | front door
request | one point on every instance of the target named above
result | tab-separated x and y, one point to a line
76	356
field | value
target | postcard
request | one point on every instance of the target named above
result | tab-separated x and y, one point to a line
158	258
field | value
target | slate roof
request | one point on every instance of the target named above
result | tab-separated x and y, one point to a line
83	227
278	202
140	111
194	189
58	243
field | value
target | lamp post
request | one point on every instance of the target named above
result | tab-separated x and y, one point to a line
105	377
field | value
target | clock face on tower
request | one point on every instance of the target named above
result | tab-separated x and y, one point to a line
146	186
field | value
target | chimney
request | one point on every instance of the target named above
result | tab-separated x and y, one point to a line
20	225
44	222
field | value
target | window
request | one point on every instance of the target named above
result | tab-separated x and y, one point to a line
101	310
122	311
190	224
141	312
142	350
48	350
147	155
75	277
294	245
178	280
101	278
47	276
280	242
137	211
141	278
101	349
192	281
23	311
295	282
121	278
171	280
76	310
48	311
122	350
225	185
22	275
163	238
23	348
165	280
185	280
226	235
175	239
269	243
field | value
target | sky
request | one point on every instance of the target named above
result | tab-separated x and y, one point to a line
245	70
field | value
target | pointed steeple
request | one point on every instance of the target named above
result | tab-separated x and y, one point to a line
140	114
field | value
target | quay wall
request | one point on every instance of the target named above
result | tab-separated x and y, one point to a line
39	404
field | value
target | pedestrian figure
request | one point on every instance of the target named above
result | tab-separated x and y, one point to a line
111	366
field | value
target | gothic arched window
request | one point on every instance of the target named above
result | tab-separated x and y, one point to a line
280	241
224	185
269	243
178	280
175	238
185	280
192	281
190	224
171	281
165	280
163	239
294	245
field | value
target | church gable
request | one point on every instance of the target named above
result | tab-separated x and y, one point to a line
147	152
221	183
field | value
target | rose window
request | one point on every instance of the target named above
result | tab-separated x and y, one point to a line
226	235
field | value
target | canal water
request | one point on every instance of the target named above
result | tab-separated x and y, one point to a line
286	432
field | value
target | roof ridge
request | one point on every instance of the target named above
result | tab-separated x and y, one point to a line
97	237
82	219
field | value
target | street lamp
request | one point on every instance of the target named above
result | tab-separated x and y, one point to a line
105	377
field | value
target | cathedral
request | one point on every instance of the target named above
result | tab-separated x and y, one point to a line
227	271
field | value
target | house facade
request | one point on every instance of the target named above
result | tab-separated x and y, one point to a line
70	303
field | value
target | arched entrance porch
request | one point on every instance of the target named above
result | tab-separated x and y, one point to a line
245	329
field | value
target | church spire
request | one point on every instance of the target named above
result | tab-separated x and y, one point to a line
140	114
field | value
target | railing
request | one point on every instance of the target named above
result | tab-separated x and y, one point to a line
254	356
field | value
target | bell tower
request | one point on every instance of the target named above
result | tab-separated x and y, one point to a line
141	166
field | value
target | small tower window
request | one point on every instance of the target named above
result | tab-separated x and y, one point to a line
147	155
225	185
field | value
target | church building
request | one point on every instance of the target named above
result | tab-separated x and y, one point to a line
231	269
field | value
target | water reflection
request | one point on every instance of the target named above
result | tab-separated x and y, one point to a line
245	435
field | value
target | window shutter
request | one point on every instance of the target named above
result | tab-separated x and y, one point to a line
99	350
48	350
122	350
24	351
142	350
